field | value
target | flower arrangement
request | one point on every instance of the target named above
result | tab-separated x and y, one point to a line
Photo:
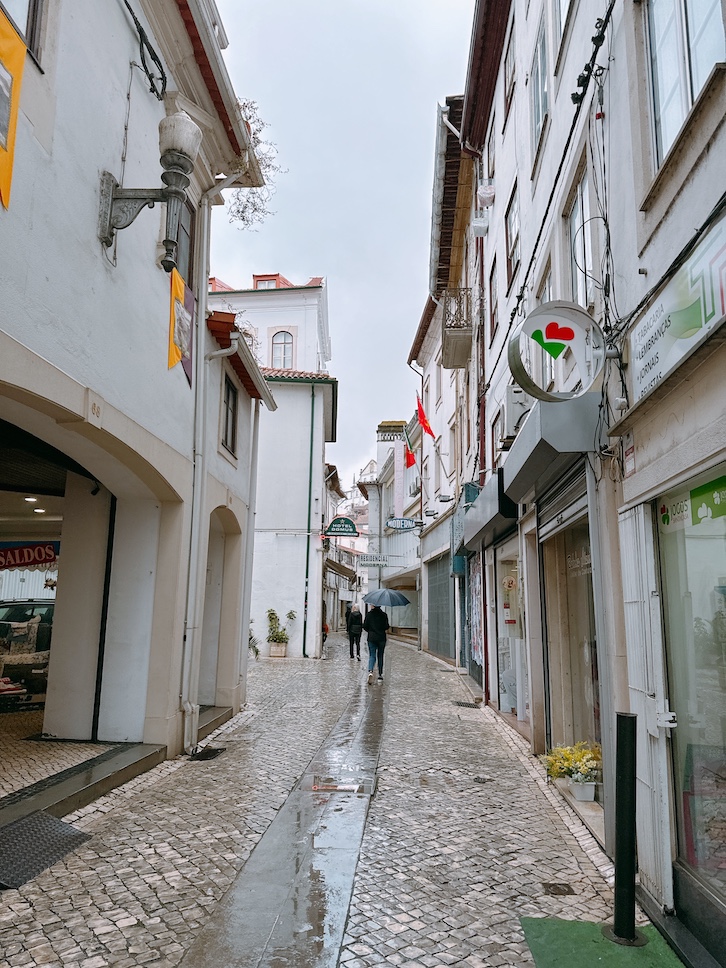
277	632
582	762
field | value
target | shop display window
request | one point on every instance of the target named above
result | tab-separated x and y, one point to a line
574	690
692	544
511	646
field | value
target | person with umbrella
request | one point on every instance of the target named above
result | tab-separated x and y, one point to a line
376	625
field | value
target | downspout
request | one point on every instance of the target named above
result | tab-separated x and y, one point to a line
310	509
192	612
419	580
250	539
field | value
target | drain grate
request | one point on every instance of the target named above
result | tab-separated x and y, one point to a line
32	844
207	752
467	705
557	889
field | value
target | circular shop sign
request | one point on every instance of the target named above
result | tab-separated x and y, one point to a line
553	328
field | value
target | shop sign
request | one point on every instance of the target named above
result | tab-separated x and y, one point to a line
37	554
554	328
341	526
692	508
689	307
402	524
373	561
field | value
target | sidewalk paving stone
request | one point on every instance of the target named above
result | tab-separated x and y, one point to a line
448	864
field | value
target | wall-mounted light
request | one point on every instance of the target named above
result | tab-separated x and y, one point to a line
179	141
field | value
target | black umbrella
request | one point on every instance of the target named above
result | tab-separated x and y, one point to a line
385	596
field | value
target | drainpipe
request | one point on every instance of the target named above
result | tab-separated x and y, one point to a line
198	525
310	507
250	537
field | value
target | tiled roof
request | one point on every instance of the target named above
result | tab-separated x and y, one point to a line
279	374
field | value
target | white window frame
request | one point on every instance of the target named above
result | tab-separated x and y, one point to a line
673	61
511	234
287	346
579	242
539	104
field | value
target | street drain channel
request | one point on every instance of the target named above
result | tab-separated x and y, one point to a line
316	783
557	889
467	705
206	752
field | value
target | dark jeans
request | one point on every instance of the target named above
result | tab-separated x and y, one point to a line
375	654
354	638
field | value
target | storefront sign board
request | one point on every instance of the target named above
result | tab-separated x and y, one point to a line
686	310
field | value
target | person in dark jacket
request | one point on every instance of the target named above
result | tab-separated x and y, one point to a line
376	625
354	625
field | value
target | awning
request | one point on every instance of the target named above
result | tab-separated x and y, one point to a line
552	438
339	568
491	515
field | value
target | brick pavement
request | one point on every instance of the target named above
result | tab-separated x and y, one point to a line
447	865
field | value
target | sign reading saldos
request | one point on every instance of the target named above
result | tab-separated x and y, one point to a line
341	526
35	555
680	318
554	328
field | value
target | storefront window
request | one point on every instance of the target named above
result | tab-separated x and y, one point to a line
692	540
574	691
511	649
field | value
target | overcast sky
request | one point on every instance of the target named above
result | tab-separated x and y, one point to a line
349	90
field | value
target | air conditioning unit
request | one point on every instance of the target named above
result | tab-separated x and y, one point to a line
517	405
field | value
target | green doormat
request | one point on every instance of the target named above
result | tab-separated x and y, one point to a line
580	944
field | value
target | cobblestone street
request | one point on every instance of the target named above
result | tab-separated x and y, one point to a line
463	835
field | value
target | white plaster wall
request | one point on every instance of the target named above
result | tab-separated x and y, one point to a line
207	693
54	275
130	614
278	579
269	310
77	615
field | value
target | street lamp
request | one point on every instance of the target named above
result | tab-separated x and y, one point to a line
179	141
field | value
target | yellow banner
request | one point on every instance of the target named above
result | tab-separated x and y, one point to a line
180	322
12	62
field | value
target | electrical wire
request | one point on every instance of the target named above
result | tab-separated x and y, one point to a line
144	47
602	26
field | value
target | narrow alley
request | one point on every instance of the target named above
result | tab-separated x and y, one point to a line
463	838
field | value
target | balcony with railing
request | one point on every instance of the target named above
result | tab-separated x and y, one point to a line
456	334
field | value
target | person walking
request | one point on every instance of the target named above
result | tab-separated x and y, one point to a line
376	625
354	626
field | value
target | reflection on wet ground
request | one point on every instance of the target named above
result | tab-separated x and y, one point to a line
288	907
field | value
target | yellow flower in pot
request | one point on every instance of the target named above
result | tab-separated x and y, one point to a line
580	764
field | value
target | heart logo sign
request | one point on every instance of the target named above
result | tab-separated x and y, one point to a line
558	327
555	338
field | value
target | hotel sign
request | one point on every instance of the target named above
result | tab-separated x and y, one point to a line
341	526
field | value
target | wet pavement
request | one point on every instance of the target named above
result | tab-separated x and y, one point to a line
240	861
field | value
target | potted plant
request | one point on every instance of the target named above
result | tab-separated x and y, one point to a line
277	635
580	765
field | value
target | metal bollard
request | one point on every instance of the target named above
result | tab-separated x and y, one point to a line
623	930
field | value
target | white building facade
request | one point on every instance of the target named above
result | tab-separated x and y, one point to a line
114	410
286	327
588	171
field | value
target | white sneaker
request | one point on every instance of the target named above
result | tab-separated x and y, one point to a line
370	678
